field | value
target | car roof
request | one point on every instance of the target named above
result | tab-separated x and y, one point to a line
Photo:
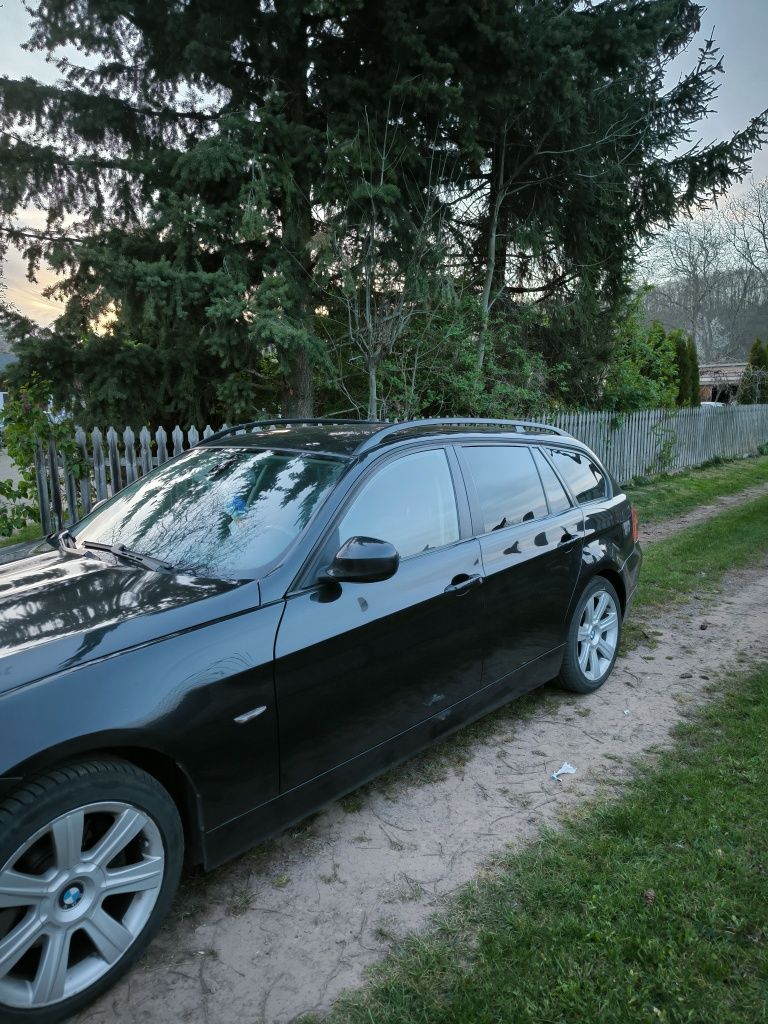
348	438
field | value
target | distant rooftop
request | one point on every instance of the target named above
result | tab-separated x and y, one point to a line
727	373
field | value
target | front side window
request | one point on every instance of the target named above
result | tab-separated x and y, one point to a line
507	484
409	502
216	511
585	479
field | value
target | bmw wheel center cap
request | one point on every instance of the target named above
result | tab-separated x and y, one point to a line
71	896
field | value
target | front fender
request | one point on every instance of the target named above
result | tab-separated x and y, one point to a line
178	696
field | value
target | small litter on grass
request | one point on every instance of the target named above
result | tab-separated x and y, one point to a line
565	769
626	711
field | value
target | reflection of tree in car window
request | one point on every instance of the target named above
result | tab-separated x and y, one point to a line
409	502
581	474
507	484
217	512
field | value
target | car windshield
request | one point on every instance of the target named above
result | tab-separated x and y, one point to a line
223	512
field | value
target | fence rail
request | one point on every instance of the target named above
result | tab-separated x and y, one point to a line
631	445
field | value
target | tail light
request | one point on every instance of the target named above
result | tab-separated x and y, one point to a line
635	528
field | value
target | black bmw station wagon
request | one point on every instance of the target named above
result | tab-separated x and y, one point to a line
258	626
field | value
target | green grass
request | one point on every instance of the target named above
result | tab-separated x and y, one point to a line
665	497
650	908
31	532
695	560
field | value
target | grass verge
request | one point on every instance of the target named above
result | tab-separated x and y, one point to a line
664	497
31	532
695	560
650	908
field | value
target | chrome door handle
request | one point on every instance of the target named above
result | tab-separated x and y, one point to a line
463	584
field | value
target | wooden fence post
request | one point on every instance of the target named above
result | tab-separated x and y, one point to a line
71	491
129	440
43	500
115	469
99	468
85	482
162	447
53	473
145	455
178	440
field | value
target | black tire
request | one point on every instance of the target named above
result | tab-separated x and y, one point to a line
67	788
571	676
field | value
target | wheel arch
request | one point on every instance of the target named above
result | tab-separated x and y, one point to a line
161	766
615	579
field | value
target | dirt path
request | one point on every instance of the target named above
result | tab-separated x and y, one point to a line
285	929
658	531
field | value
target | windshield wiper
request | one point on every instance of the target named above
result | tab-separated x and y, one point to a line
134	557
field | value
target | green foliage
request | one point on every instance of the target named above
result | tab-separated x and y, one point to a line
753	387
433	370
643	373
190	199
693	365
758	355
683	365
27	423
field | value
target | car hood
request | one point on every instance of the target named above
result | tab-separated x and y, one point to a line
60	610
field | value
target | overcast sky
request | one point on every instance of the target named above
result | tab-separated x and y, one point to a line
741	32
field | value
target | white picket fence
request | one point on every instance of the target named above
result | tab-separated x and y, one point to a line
631	445
662	440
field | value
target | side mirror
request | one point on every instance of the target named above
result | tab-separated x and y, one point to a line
362	560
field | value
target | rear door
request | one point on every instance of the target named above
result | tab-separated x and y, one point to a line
358	664
530	539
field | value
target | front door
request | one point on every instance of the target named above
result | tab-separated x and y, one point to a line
359	664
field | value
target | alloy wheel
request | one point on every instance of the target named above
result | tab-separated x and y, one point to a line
597	635
73	899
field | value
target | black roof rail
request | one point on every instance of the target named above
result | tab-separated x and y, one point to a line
517	426
299	421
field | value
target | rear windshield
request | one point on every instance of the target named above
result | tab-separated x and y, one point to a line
225	512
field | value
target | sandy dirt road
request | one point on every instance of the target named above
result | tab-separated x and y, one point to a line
289	926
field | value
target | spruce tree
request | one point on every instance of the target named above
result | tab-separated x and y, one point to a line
758	355
192	173
682	363
693	372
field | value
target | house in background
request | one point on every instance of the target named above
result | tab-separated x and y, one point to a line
719	382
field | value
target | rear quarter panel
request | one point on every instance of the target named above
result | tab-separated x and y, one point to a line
608	544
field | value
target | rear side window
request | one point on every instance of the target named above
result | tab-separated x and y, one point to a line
554	490
585	480
410	503
507	485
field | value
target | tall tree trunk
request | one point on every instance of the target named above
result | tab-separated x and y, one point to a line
298	385
373	398
495	199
